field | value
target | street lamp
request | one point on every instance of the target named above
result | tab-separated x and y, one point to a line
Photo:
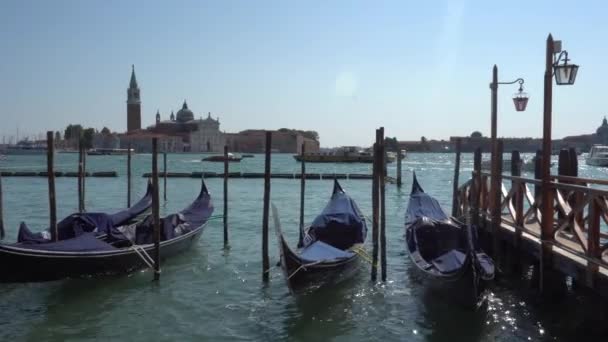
565	74
520	100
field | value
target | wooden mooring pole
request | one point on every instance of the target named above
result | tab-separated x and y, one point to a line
129	177
50	153
496	213
518	206
455	182
84	177
1	212
165	176
226	195
376	170
80	175
476	193
399	160
156	208
302	190
265	261
381	182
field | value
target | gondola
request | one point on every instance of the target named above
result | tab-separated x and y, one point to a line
329	243
444	251
101	224
124	249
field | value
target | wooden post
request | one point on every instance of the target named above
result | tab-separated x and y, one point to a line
129	177
165	176
518	202
537	173
563	169
493	134
546	224
377	169
578	196
80	175
156	208
455	182
476	193
382	201
84	177
50	153
302	190
594	249
265	262
1	213
225	195
573	163
497	196
399	160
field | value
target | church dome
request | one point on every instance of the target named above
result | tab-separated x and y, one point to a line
603	129
184	114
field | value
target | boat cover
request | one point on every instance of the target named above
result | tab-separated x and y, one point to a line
173	225
82	243
320	251
423	205
449	262
341	224
78	223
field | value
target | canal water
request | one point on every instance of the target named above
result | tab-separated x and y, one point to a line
216	294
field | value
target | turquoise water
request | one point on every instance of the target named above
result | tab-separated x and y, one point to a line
214	294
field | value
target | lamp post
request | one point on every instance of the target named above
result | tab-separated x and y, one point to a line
520	100
565	74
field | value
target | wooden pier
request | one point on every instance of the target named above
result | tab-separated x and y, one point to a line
574	247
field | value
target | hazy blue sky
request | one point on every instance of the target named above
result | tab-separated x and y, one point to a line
341	68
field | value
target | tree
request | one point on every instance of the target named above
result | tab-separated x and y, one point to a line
72	132
423	139
87	137
391	143
105	131
476	134
57	136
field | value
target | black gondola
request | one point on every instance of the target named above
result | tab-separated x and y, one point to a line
329	243
122	250
444	251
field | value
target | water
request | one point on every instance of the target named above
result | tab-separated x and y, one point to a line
214	294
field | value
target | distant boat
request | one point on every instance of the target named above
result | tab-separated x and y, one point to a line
598	156
24	148
347	154
220	158
109	151
247	155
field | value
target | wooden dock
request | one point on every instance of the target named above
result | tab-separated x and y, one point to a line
577	246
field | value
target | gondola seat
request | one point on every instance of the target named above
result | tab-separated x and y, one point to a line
319	250
449	262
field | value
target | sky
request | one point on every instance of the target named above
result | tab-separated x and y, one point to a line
342	68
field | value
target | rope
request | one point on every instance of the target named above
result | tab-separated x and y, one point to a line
141	252
303	267
363	254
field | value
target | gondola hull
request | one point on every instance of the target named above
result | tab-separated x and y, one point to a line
20	264
300	273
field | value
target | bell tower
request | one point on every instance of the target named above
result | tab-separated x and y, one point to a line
133	104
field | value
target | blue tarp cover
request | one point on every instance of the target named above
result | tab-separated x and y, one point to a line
320	251
449	262
82	243
341	224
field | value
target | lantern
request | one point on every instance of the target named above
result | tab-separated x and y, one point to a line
520	100
565	74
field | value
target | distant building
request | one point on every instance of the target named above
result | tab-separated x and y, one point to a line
254	141
133	104
207	137
183	133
